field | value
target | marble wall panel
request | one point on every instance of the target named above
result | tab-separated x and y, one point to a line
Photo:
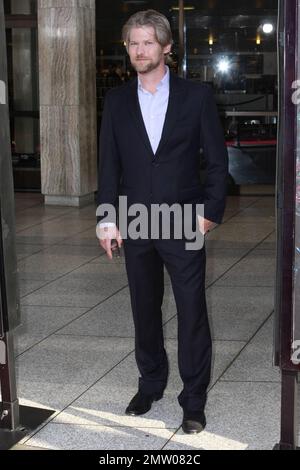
67	3
88	150
87	56
59	147
58	56
67	58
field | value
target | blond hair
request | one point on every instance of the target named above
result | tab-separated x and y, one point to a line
153	18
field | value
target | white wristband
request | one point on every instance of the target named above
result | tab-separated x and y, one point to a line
103	225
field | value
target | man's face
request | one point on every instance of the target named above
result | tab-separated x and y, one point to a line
145	53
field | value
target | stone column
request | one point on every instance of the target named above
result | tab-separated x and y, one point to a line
67	70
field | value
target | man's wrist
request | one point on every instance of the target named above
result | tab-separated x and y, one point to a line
103	225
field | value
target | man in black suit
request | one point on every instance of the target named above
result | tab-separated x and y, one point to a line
151	134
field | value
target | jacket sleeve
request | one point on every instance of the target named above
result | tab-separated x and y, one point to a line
109	167
216	157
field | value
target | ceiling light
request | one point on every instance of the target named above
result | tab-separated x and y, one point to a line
267	28
223	65
187	8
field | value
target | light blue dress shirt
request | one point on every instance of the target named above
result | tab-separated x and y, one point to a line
154	107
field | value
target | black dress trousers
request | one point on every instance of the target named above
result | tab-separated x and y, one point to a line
145	269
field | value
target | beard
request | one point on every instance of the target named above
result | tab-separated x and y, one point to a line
145	66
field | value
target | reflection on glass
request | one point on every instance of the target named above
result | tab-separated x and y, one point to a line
22	63
23	96
230	48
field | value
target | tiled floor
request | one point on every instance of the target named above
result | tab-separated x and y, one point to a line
75	349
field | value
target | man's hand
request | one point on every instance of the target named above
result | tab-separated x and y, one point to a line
205	225
106	235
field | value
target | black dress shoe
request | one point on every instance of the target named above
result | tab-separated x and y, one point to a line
193	423
141	403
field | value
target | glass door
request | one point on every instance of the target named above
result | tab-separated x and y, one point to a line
22	59
232	47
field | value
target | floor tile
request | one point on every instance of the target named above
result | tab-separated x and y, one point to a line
255	363
39	322
72	437
55	372
240	416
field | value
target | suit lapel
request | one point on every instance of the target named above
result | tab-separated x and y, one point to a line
173	109
134	108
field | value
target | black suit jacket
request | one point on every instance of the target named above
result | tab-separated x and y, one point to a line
128	166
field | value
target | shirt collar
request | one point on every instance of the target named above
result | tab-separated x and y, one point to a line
164	83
